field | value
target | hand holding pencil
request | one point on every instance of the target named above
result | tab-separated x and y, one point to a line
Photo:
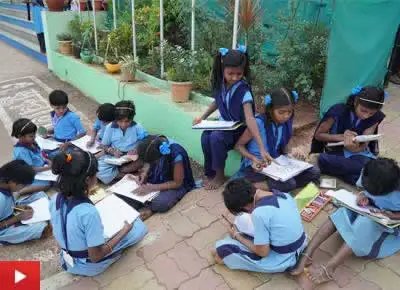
26	212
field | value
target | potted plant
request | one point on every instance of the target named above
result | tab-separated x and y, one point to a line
180	68
65	43
55	5
128	68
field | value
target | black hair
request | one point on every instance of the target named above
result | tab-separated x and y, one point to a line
58	98
381	176
73	169
233	58
237	194
106	112
375	95
279	98
125	109
22	127
17	171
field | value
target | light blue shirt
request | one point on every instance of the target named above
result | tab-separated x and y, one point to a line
84	226
30	156
67	127
6	204
100	128
124	142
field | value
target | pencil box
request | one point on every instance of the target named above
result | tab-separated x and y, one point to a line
314	207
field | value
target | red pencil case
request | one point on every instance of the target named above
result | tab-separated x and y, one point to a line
311	210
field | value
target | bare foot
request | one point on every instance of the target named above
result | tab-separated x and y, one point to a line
217	258
216	183
318	274
305	261
145	213
304	282
206	181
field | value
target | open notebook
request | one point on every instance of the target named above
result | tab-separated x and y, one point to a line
47	144
118	161
285	168
46	175
244	224
127	185
41	212
217	125
349	199
359	139
113	213
81	143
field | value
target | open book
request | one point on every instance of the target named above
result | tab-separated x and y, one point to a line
359	139
113	213
127	185
244	224
47	144
46	176
41	212
81	143
217	125
118	161
349	199
285	168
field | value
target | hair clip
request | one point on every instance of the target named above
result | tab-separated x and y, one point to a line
68	158
295	96
242	48
386	95
267	100
142	135
164	148
223	51
356	90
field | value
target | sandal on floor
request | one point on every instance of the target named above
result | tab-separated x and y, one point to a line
317	281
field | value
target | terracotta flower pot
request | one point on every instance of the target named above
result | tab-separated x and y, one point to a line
112	68
55	5
98	5
180	91
65	47
83	5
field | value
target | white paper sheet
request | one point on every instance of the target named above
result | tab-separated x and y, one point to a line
216	125
47	144
113	213
360	139
244	224
81	143
348	198
46	175
127	185
41	211
118	161
283	173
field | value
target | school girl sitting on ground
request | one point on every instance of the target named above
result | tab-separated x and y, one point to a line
105	115
362	236
279	237
77	225
276	128
14	176
28	150
230	87
361	115
120	138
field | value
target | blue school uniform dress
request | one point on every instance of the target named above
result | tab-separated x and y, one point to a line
77	226
32	156
99	127
37	8
337	161
277	223
123	141
275	139
217	144
18	233
364	236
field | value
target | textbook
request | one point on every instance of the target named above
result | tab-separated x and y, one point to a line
217	125
359	139
126	187
113	213
349	200
285	168
46	176
41	212
118	161
47	144
81	143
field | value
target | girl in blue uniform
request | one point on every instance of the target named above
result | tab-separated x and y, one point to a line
37	8
28	150
275	127
361	115
167	169
279	237
13	177
77	226
105	115
361	236
230	85
120	138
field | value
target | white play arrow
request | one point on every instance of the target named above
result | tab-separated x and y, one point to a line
18	276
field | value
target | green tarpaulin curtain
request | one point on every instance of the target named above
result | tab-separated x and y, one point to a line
361	40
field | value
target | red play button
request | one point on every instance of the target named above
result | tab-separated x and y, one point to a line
21	275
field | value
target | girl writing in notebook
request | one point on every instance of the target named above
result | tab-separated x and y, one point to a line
362	236
28	150
120	138
77	225
360	115
230	85
278	237
275	128
167	170
13	177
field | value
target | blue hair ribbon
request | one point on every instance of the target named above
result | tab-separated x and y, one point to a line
223	51
386	95
242	48
164	148
295	96
356	90
267	100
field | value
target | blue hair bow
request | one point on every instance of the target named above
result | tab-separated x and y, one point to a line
242	48
356	90
295	96
223	51
142	135
267	100
164	148
386	95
